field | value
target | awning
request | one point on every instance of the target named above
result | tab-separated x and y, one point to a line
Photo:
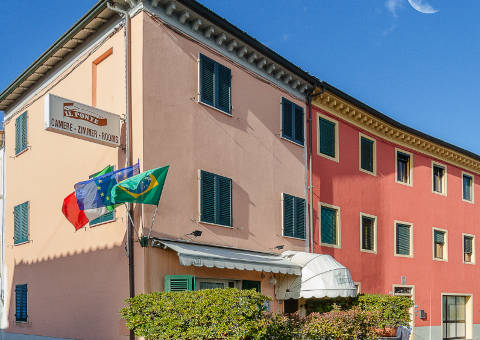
322	276
198	255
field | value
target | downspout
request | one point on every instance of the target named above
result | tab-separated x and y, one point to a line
310	152
3	274
128	148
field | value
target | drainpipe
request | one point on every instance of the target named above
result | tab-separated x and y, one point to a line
310	96
128	147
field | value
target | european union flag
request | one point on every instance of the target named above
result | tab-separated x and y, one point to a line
95	193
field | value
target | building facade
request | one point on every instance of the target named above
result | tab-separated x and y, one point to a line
398	208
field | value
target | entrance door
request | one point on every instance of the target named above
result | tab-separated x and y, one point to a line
454	317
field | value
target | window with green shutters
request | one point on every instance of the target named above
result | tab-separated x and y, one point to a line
215	199
21	292
293	216
292	122
403	167
403	239
109	216
215	84
21	221
327	137
439	244
467	190
329	233
21	133
468	249
368	233
367	154
179	283
439	177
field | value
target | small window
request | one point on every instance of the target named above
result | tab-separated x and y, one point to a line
403	239
467	190
440	245
329	230
201	284
21	303
403	167
327	137
247	284
215	84
368	233
367	154
109	216
21	222
293	216
179	283
439	179
21	133
468	249
292	122
215	199
358	287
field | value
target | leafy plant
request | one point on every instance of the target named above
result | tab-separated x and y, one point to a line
278	327
393	311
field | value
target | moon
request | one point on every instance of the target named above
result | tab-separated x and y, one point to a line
422	7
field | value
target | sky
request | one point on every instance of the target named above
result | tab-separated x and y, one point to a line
420	69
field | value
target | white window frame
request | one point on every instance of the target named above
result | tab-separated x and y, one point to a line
444	179
445	245
468	313
395	238
410	175
473	248
337	148
472	187
374	172
237	283
374	251
339	243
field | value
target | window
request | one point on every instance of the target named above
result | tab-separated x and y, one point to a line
367	154
454	316
21	217
327	137
215	199
403	239
215	84
330	226
109	216
21	303
440	244
439	178
246	284
178	283
293	216
292	121
21	133
368	233
403	167
467	190
358	287
468	248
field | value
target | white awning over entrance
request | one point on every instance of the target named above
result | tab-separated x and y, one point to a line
322	276
199	255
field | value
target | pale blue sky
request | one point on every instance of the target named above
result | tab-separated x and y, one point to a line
420	69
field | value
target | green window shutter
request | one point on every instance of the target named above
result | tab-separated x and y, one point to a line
224	201
288	215
299	230
327	137
439	236
287	121
298	122
21	302
21	218
403	239
207	197
368	233
179	283
467	244
21	133
366	151
207	85
246	284
223	88
329	225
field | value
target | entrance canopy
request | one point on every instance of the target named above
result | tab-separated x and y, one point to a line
191	254
322	276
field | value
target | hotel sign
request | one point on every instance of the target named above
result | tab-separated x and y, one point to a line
72	118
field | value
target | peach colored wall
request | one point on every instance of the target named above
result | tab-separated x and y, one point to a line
77	281
343	185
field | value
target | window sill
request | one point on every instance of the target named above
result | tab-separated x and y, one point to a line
20	243
468	201
368	251
440	260
440	193
406	256
335	159
294	238
403	183
216	225
22	152
291	141
215	108
468	262
330	245
371	173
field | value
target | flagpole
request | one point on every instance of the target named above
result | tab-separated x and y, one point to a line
131	221
153	221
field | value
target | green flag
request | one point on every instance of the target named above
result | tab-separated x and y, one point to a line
145	188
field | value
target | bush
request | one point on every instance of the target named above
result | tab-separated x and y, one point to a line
393	311
203	314
278	327
327	304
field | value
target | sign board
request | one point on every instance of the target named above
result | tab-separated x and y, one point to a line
83	121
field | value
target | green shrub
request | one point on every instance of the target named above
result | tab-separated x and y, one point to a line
278	327
393	310
203	314
324	305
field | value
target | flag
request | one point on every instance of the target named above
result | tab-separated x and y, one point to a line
93	196
145	188
71	209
